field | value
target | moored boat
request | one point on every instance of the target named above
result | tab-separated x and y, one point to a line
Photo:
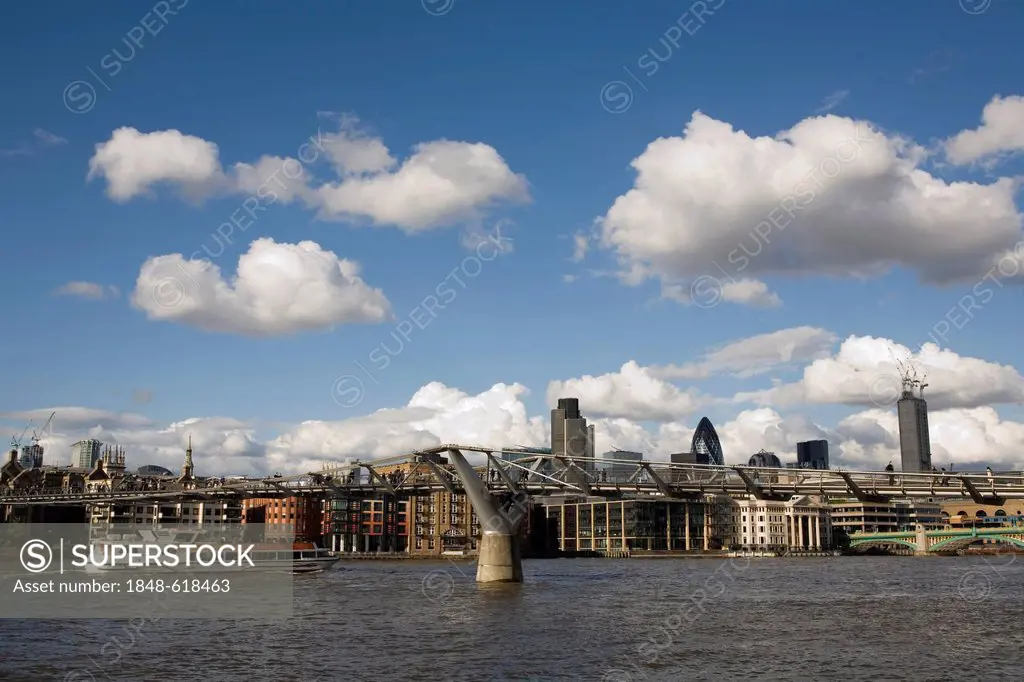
304	557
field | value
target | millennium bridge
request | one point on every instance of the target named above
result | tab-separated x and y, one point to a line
498	487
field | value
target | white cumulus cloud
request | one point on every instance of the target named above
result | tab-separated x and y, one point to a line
829	196
277	289
133	162
1001	132
631	393
864	372
436	414
441	183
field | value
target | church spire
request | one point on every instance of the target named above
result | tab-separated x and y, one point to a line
186	469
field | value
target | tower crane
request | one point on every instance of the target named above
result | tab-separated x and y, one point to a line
910	377
16	439
41	433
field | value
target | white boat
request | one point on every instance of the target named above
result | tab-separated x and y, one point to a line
305	557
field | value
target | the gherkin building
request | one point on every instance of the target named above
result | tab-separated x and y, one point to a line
706	445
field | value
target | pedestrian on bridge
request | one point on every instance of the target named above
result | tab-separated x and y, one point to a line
889	468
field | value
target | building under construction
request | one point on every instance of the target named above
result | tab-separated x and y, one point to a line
912	410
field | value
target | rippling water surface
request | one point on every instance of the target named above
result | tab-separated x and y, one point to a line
870	618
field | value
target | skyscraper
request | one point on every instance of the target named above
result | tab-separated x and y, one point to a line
812	454
915	445
705	444
619	471
85	453
570	436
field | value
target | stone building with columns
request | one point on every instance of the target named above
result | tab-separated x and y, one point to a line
799	525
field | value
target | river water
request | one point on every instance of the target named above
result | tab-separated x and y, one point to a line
849	618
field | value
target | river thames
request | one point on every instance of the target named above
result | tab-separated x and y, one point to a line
850	618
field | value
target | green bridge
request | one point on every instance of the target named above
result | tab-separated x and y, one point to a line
931	541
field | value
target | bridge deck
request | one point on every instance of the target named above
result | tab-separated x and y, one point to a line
540	474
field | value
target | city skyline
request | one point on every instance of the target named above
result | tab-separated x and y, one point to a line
265	268
877	382
571	435
487	317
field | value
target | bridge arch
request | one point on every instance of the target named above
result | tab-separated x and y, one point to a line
882	542
955	543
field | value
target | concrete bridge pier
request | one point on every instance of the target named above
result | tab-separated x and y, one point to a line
922	541
500	560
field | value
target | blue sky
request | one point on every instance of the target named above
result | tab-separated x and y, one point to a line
525	78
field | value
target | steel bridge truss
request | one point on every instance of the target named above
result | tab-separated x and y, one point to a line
529	474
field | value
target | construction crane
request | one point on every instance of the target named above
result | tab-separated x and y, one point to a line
16	440
41	433
909	376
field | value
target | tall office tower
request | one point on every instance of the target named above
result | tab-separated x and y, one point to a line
812	454
915	445
570	436
619	471
705	444
85	453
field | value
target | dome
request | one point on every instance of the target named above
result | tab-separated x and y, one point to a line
154	470
764	459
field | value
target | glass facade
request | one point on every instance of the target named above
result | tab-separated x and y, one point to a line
638	525
706	445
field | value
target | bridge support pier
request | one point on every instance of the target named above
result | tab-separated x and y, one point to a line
922	541
500	560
